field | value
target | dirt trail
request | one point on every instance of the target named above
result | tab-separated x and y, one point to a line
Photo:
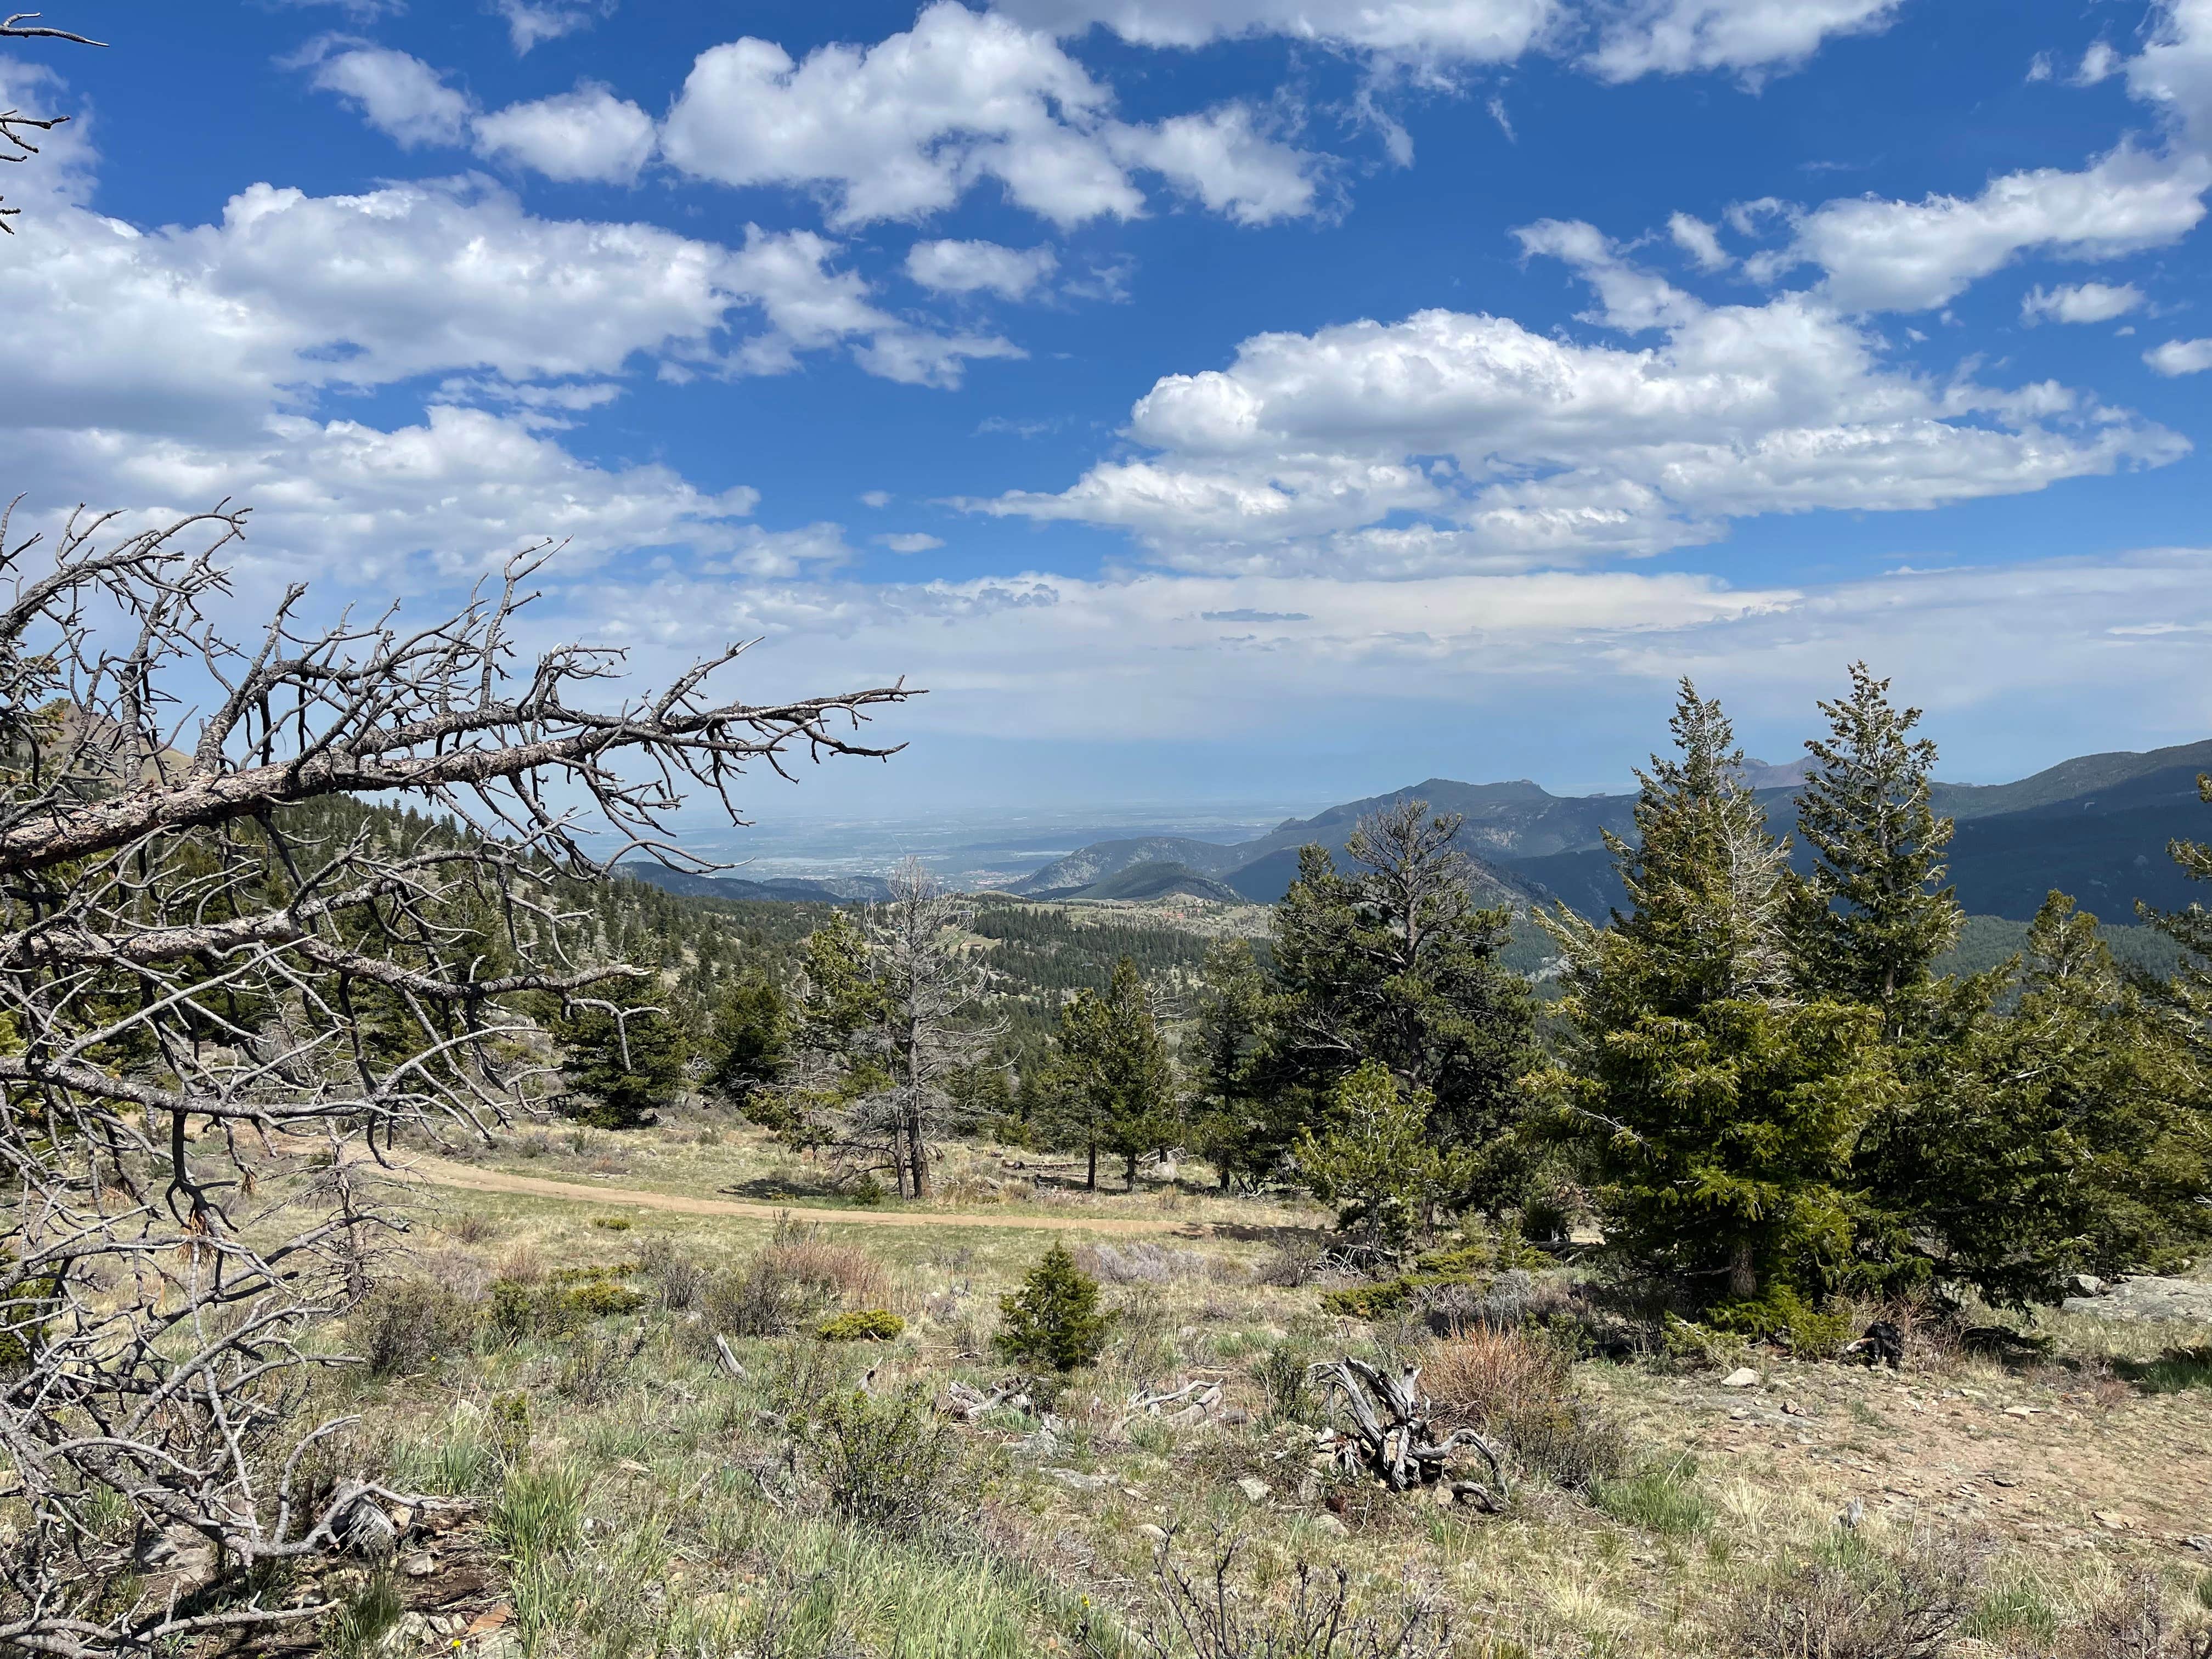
438	1173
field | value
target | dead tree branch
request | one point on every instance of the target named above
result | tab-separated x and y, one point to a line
1391	1437
219	969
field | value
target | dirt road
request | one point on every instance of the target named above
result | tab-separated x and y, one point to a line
438	1173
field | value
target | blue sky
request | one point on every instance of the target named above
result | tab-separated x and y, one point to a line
1205	399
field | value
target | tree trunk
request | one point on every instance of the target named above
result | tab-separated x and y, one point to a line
1093	1182
917	1153
1743	1277
1129	1175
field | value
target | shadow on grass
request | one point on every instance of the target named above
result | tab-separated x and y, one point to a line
2174	1371
783	1189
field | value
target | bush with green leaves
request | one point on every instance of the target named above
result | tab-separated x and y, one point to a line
567	1302
1055	1320
885	1460
861	1325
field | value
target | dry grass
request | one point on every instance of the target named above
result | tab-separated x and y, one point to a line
1519	1388
844	1273
1847	1602
1565	1576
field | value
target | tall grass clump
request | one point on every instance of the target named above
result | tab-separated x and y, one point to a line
358	1628
1662	1500
1519	1388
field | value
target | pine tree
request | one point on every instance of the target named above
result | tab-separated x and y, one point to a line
1870	920
1376	1162
622	1057
748	1043
2191	991
1114	1087
1055	1318
1241	1118
1396	963
1718	1112
2065	1134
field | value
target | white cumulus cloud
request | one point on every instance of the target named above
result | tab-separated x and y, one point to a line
2180	357
1881	255
1700	240
2081	302
1677	37
401	96
907	127
1469	31
1310	451
965	267
532	22
588	134
2174	70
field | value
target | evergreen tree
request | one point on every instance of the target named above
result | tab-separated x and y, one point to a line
1870	920
1241	1117
1055	1318
622	1056
748	1043
1377	1162
1397	964
2060	1137
1114	1086
1718	1112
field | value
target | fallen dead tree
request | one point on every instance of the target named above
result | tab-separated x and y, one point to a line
1391	1439
1186	1408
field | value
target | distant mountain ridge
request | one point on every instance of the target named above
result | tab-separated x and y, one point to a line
827	890
2096	826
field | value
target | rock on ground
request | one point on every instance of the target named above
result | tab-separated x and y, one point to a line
2147	1297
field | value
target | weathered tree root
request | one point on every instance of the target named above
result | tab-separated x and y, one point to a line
1391	1437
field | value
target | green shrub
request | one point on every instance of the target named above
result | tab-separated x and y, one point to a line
1290	1397
885	1461
1462	1264
520	1308
510	1425
864	1325
599	1299
612	1224
404	1325
1783	1318
1054	1320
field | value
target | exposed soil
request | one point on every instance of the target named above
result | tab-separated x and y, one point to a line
440	1173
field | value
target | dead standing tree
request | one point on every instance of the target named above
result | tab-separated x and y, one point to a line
891	1019
195	988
